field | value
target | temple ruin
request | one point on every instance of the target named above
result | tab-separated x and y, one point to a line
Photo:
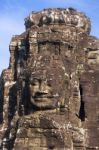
49	93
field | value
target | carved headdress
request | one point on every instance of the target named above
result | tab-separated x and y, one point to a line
68	17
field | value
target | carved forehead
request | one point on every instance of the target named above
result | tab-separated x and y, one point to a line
47	61
48	72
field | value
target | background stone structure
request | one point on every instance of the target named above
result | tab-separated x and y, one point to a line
49	93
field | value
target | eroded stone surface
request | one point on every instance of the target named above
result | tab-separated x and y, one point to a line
49	93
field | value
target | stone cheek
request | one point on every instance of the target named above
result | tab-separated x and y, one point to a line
49	94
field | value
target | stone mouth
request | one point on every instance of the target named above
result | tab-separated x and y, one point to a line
43	95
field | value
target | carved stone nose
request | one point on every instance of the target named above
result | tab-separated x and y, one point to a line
43	88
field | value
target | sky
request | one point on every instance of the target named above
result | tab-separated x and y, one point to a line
13	12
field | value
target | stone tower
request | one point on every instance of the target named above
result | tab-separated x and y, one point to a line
49	93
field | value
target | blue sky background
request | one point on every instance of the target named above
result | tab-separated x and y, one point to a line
13	12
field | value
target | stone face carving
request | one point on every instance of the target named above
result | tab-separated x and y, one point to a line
44	90
49	93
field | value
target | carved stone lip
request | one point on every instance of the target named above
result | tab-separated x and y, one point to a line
42	100
43	95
